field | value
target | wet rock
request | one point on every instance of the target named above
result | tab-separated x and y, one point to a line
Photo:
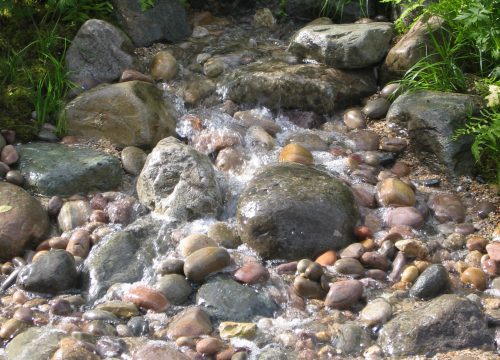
446	323
99	53
14	177
484	208
257	137
353	251
431	131
375	260
365	195
377	108
354	119
376	312
401	169
171	266
36	343
393	144
9	155
394	192
132	113
227	300
303	86
197	90
193	321
296	153
349	266
204	262
303	119
133	159
54	206
175	288
147	298
209	346
344	294
79	243
410	274
230	159
73	214
447	207
22	219
119	308
230	329
138	325
343	46
157	350
407	216
214	67
132	75
11	328
252	273
475	277
493	250
264	18
163	66
251	118
298	210
224	235
308	289
164	21
433	281
328	258
309	140
193	242
364	140
389	90
4	169
413	248
209	141
352	339
110	347
179	181
53	272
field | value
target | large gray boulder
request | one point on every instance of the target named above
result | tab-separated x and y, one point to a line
179	181
446	323
22	220
308	87
36	343
432	118
165	21
99	53
344	46
131	113
291	211
340	10
55	169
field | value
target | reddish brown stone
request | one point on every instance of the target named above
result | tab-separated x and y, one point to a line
147	298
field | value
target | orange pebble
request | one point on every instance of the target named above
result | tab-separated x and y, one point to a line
327	259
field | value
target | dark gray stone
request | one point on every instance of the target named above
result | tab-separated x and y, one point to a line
432	118
446	323
165	21
179	181
55	169
432	282
36	343
52	273
227	300
308	87
99	53
291	211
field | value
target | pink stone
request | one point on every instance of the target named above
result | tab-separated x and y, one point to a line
251	273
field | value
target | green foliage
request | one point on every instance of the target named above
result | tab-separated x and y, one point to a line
146	4
335	8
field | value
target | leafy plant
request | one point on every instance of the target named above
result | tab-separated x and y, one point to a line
336	7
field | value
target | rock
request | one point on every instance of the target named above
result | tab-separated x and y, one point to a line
54	206
79	243
251	118
119	308
213	68
413	248
36	343
344	294
9	155
22	220
349	266
14	177
131	75
4	169
354	119
412	46
133	159
308	87
257	137
209	346
432	282
308	213
343	46
328	258
251	273
163	66
373	259
264	18
446	323
55	169
431	131
304	119
175	288
410	274
171	266
73	214
475	277
132	113
352	339
204	262
193	242
364	140
208	141
157	350
191	322
308	289
376	312
477	243
493	250
229	329
99	53
393	144
407	216
394	192
52	273
224	235
296	153
164	21
147	298
227	300
447	207
484	208
11	328
179	181
123	257
354	250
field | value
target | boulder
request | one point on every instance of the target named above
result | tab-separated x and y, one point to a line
446	323
99	53
311	87
55	169
340	10
128	113
344	46
53	272
36	343
179	181
164	21
291	211
432	118
22	220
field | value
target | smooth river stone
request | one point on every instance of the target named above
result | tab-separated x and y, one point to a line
364	140
157	351
413	248
230	329
204	262
191	322
474	276
74	214
133	159
121	309
394	192
433	281
349	266
375	260
376	312
163	66
447	207
251	273
79	243
407	215
9	155
193	242
377	108
493	250
308	288
353	251
147	298
209	346
175	287
343	294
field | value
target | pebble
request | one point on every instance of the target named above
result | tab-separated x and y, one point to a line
410	274
147	298
133	159
252	273
119	308
484	208
447	207
9	136
375	260
376	274
229	329
474	276
454	241
344	294
314	272
193	321
493	250
175	287
204	262
296	153
354	119
465	229
377	108
11	328
54	206
401	169
15	177
364	140
23	314
354	251
138	325
376	312
406	216
287	268
79	243
9	155
163	66
393	144
194	242
394	192
171	266
213	68
60	307
349	266
413	248
308	289
328	258
73	214
209	346
432	281
389	90
4	169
